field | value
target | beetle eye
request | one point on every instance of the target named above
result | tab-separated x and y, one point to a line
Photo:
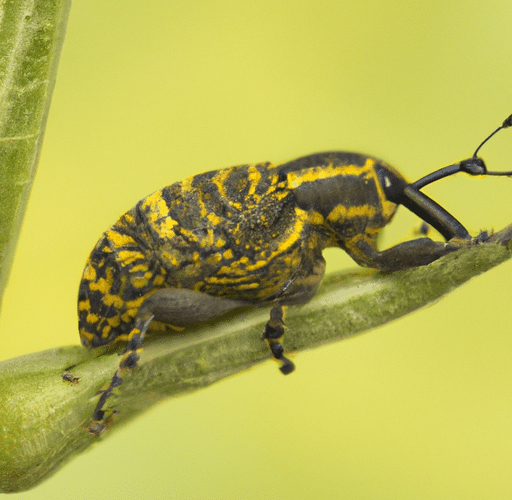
392	184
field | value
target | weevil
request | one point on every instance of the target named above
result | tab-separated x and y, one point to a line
251	235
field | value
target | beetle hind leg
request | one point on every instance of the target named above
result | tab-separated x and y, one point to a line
273	334
101	421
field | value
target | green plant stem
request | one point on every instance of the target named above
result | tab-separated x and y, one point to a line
44	418
31	36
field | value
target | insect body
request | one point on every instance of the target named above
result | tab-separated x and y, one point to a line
69	377
250	235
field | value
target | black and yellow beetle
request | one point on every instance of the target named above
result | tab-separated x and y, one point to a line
250	235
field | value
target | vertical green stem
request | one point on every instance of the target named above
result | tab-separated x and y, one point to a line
31	37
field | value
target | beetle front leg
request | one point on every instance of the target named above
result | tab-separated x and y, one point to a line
274	334
405	255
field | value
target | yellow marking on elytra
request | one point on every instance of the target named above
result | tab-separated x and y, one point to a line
102	285
158	280
156	205
112	300
214	219
214	258
120	240
114	321
129	315
139	267
128	218
208	240
88	335
186	184
92	318
89	273
219	179
165	228
129	256
190	235
139	282
136	303
254	179
84	305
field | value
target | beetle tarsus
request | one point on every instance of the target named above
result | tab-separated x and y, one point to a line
274	334
287	367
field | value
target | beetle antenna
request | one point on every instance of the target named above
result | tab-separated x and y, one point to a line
506	123
472	166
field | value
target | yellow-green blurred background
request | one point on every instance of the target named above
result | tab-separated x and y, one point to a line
150	92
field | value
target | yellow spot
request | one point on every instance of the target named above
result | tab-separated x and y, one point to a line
189	234
120	240
220	243
105	331
316	218
134	305
92	318
341	213
114	322
214	219
84	333
114	300
158	280
101	285
208	240
254	178
128	315
139	267
165	228
127	257
248	286
228	254
139	282
89	273
157	206
84	305
214	258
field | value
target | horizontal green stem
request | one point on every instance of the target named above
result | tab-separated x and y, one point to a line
44	419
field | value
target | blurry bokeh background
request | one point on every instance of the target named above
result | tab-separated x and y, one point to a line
148	93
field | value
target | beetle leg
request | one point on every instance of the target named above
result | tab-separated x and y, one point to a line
169	305
273	334
99	423
405	255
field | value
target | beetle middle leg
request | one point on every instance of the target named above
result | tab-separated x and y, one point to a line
273	334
